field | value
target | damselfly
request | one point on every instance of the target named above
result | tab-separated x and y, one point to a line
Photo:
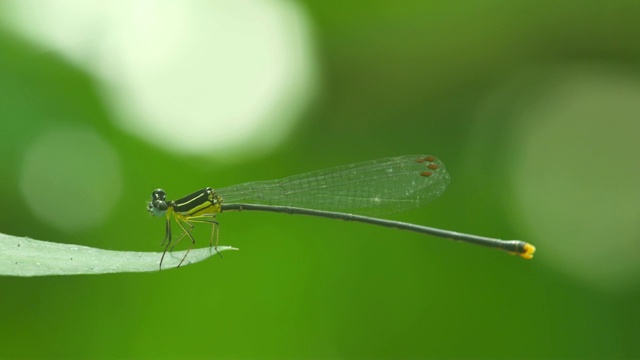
351	192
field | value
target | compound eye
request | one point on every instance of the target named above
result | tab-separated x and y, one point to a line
158	194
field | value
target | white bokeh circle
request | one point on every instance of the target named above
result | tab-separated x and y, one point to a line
205	77
71	179
575	175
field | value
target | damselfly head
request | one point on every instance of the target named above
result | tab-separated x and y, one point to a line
158	204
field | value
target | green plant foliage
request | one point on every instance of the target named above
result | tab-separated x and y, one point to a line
29	257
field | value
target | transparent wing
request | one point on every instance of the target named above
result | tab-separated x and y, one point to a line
374	187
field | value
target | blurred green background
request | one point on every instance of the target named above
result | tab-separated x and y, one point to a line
532	105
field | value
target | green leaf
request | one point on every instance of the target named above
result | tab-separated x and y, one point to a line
29	257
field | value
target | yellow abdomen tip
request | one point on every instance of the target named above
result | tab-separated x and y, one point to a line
528	251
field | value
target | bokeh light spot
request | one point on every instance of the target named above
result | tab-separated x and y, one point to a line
71	179
578	192
210	77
